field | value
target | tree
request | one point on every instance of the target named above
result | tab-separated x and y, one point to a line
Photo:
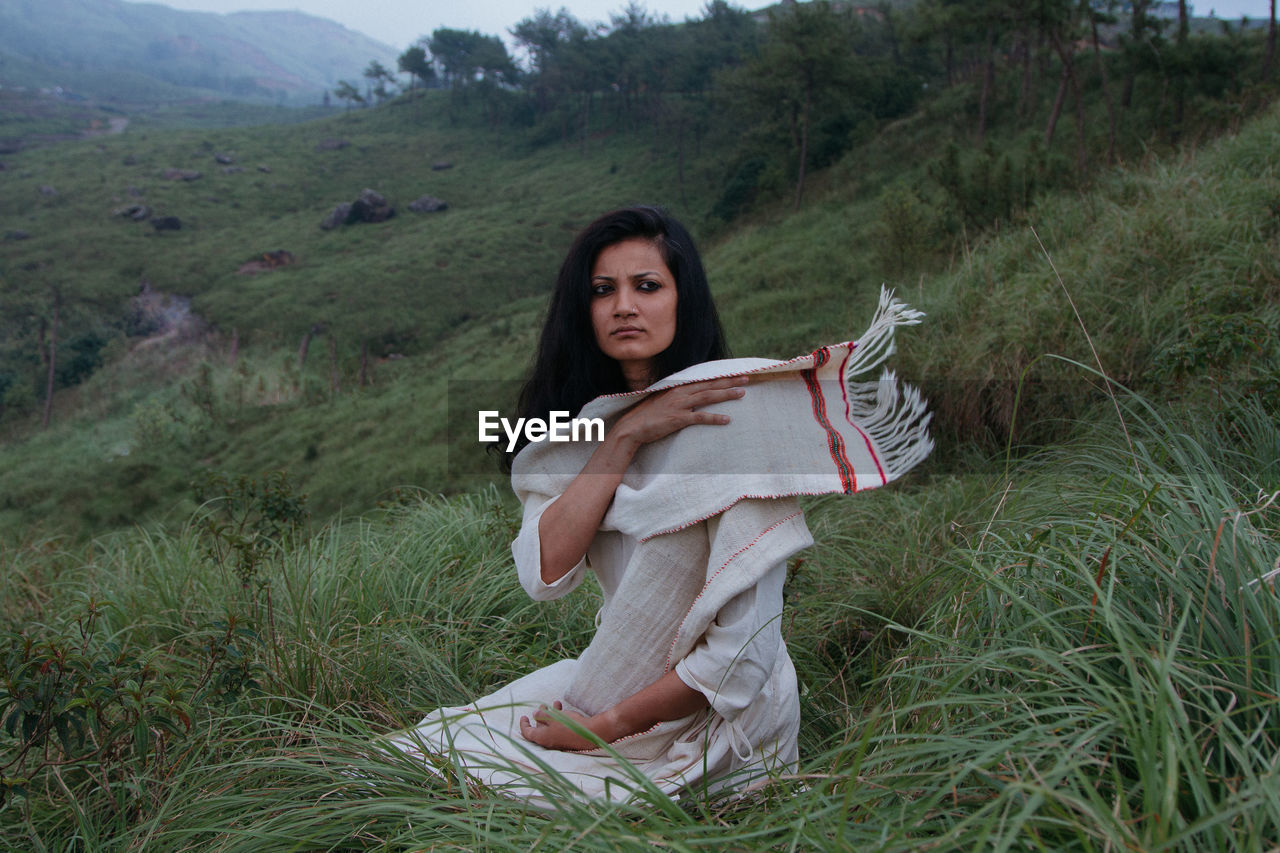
725	37
466	54
803	66
1096	16
1183	61
1271	44
1063	24
344	91
379	77
417	65
546	38
544	35
632	50
1137	44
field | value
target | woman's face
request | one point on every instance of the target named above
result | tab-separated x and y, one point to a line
633	307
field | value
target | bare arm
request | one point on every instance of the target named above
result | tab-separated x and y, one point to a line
668	698
570	523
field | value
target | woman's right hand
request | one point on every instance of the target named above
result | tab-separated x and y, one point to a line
665	412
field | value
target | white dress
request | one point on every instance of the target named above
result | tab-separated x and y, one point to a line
740	664
691	561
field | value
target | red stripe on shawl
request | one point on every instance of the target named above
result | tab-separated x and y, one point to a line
835	443
848	416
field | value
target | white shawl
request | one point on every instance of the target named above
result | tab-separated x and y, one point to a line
806	426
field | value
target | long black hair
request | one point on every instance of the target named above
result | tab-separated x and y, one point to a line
570	370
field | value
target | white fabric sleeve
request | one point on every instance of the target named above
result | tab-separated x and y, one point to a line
735	657
527	552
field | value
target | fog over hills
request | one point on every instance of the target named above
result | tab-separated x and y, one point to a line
110	49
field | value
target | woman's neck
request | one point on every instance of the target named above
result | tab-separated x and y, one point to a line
637	376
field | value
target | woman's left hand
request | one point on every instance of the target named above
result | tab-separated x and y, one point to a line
548	731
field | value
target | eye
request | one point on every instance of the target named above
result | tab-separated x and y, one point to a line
602	289
649	285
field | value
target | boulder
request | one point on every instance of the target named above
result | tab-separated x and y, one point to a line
427	204
167	223
262	167
17	234
441	166
48	190
331	144
129	160
223	159
232	170
267	261
370	207
337	216
181	175
136	212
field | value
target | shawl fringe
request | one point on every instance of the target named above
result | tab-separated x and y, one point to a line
893	415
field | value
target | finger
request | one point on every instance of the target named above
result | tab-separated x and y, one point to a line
558	706
716	395
717	384
712	418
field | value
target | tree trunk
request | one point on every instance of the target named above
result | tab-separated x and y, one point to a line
684	200
1024	96
891	32
1271	45
988	77
1066	54
364	364
804	146
1138	32
51	358
1081	148
1180	84
1106	90
1057	108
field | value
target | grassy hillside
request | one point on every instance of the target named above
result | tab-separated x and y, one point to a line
1071	650
458	293
1059	633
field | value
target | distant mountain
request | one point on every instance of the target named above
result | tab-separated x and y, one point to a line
135	51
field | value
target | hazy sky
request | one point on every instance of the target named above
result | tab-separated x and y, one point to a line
400	22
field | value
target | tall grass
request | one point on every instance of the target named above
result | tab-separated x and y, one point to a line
1083	655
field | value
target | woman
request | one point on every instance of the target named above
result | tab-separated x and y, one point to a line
686	513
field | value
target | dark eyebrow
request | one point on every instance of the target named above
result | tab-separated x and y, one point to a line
634	277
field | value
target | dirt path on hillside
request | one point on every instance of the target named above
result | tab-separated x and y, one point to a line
115	127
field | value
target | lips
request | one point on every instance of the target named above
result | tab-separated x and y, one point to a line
626	331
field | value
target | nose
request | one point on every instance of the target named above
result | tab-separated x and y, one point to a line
625	305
